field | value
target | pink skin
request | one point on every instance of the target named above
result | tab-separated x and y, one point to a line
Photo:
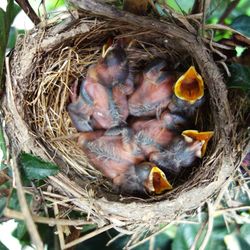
74	97
86	137
116	158
101	112
149	93
155	130
121	102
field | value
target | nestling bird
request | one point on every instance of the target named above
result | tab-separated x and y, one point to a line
203	137
80	109
119	159
182	152
112	68
188	94
153	135
102	102
154	91
143	179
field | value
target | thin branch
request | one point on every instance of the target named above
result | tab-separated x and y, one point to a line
209	227
198	235
88	236
59	229
230	209
228	11
21	194
197	7
152	235
24	4
45	220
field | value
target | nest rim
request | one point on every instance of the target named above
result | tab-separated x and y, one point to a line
136	210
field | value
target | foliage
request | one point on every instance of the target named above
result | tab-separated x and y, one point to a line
242	24
3	149
36	168
240	76
6	19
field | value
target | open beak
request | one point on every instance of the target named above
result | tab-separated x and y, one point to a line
203	137
189	87
157	182
106	47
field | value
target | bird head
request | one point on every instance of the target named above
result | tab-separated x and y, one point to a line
156	72
189	87
152	178
203	137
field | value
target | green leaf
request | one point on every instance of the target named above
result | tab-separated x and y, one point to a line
22	234
242	24
20	230
14	202
3	201
235	241
6	19
3	247
53	5
3	148
88	228
48	236
36	168
245	232
240	76
185	236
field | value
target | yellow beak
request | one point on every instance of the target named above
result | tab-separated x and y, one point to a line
189	87
157	181
203	137
106	47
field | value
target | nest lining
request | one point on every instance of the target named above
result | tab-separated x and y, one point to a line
42	98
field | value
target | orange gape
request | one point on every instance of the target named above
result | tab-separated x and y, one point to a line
203	137
189	87
154	91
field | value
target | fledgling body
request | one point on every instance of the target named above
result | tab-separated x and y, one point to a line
102	101
153	135
154	91
183	151
119	159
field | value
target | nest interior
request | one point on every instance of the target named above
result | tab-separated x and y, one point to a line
44	66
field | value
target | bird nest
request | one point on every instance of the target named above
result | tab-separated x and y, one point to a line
45	64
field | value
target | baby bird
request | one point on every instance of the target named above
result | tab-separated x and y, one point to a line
188	94
119	159
143	179
153	135
182	152
112	68
113	152
80	109
102	102
154	91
